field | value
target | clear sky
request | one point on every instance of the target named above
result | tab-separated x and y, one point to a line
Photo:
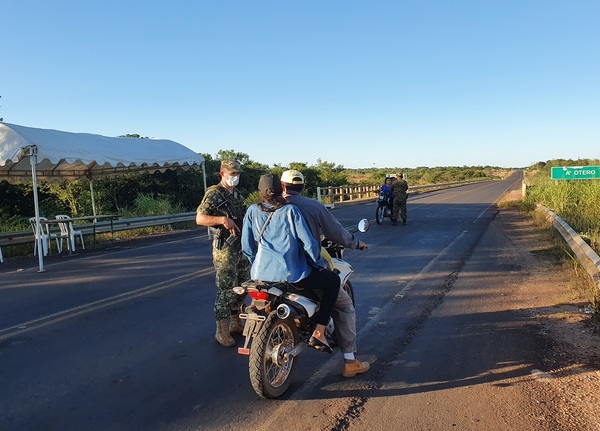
358	83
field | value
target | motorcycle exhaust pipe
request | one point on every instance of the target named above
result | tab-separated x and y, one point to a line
284	311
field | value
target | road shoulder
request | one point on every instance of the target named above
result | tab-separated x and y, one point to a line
516	354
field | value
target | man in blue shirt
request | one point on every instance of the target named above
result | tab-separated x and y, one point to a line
321	222
280	246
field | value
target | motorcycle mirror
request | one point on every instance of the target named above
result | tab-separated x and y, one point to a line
363	225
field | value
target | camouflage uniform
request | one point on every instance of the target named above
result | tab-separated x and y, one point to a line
231	265
399	191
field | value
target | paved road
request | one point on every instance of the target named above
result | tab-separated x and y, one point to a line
123	339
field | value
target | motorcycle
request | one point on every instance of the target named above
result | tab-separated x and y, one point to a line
279	322
384	208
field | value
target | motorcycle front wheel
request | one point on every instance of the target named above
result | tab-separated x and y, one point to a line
380	214
271	369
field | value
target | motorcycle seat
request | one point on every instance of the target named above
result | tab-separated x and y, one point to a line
284	286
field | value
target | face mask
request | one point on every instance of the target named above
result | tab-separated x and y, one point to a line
233	180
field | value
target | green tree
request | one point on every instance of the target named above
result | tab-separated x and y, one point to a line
68	193
243	158
331	174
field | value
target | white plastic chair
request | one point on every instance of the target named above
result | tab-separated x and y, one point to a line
67	232
46	235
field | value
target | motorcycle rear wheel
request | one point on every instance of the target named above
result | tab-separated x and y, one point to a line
380	214
271	371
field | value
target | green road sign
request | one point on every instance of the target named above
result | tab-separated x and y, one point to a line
575	173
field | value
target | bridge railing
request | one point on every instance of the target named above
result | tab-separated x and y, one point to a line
343	194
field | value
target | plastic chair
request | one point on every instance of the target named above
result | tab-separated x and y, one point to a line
46	235
67	232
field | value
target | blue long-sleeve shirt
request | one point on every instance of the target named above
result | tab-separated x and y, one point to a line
321	221
287	251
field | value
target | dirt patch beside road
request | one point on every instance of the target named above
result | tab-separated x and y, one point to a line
573	360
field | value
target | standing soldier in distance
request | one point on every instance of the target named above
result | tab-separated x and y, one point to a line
399	191
222	209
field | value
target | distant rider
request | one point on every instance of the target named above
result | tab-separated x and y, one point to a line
386	188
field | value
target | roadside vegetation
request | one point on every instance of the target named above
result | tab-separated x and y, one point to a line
578	203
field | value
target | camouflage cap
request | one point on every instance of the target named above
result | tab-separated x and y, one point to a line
231	165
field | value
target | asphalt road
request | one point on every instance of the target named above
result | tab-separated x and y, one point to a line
123	339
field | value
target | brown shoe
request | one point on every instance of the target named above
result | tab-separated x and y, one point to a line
352	368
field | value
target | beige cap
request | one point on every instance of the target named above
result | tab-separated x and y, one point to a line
292	176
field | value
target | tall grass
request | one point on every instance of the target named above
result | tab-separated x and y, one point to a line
577	202
148	205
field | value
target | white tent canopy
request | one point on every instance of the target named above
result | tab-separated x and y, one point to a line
30	154
65	155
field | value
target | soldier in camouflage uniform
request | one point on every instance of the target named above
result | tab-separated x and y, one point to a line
220	209
399	191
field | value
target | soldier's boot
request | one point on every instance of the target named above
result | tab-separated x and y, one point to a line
222	335
237	325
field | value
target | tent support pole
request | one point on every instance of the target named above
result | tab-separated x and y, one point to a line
40	249
208	234
93	201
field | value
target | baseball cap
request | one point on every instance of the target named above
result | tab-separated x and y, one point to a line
231	165
292	176
270	182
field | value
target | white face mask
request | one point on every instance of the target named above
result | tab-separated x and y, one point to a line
232	180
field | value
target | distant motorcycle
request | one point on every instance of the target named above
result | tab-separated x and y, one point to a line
279	322
384	208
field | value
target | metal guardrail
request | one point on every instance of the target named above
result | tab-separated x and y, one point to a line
344	194
588	258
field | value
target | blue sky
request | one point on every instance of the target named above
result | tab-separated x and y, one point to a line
360	84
